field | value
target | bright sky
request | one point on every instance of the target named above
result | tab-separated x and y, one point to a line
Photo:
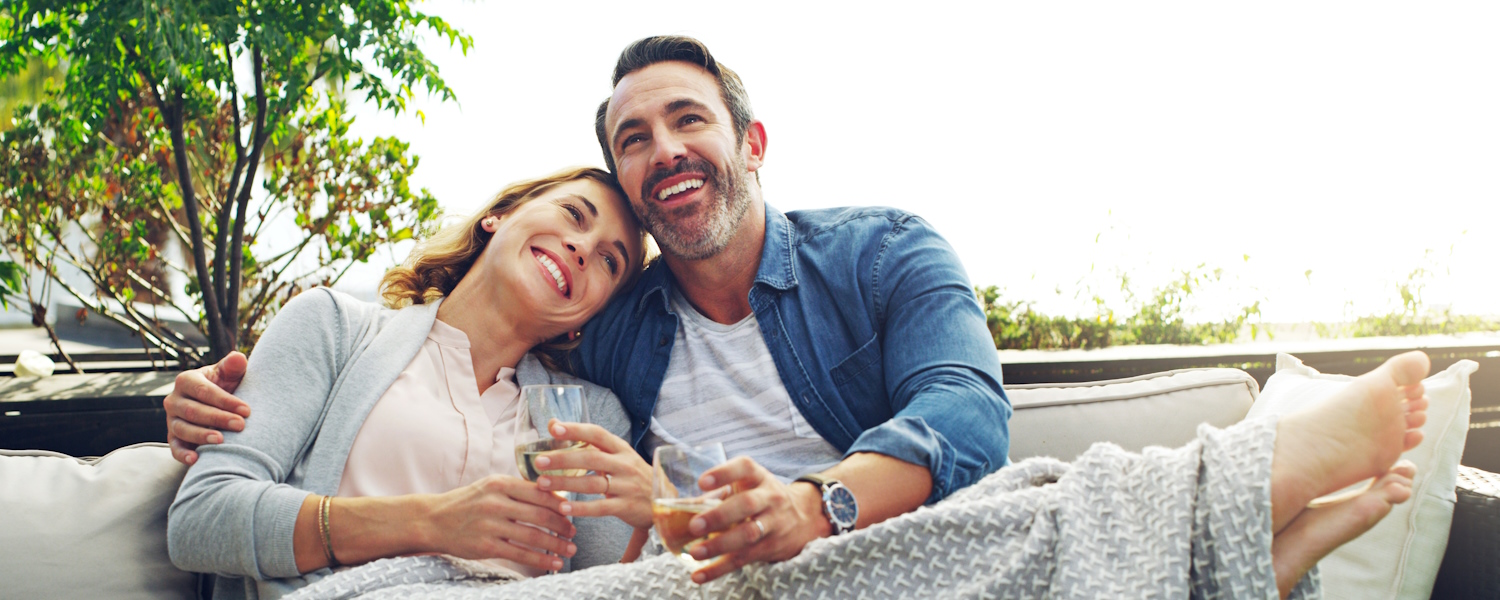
1345	138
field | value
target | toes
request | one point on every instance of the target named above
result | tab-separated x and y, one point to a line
1413	439
1409	368
1405	468
1418	404
1416	420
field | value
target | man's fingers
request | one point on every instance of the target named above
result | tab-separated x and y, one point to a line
182	451
739	541
731	511
228	373
195	388
183	431
740	471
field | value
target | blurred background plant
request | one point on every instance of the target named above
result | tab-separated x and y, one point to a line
207	143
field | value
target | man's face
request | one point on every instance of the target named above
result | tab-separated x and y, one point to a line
677	157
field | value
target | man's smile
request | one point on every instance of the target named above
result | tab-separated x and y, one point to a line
678	187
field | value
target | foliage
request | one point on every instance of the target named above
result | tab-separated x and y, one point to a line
1157	318
10	281
1414	317
201	126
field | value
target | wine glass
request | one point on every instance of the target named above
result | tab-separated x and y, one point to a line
676	498
539	405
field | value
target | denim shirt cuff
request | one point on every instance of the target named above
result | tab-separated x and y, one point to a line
910	439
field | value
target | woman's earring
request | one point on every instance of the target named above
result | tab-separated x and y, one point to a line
489	222
574	335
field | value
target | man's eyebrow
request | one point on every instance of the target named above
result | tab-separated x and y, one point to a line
626	124
684	103
626	253
672	107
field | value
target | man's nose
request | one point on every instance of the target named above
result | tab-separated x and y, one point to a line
668	149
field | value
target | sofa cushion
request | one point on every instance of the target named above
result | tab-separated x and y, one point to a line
1062	420
1400	556
89	528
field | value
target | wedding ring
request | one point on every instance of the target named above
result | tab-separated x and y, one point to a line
606	484
762	527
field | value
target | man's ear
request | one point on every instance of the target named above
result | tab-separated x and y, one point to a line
754	146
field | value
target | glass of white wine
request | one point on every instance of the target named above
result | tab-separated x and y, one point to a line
539	405
676	498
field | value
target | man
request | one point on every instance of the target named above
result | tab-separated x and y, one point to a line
843	344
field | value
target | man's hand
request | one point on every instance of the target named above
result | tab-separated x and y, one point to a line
763	521
201	404
619	475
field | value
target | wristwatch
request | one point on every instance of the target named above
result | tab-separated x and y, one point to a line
838	502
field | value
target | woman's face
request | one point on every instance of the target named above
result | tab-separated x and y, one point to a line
562	254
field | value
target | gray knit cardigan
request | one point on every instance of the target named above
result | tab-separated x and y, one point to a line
314	376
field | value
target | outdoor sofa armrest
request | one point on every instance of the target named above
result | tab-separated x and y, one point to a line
1471	564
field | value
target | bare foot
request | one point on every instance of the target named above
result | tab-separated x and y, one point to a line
1354	435
1318	531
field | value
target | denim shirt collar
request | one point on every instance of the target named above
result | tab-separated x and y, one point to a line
777	269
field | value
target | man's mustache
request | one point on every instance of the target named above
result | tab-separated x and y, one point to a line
685	166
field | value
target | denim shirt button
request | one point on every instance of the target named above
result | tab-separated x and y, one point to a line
663	342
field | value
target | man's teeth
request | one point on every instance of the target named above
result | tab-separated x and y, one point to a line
562	284
686	185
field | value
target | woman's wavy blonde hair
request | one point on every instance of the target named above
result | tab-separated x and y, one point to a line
437	264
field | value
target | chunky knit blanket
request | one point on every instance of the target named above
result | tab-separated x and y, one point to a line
1191	522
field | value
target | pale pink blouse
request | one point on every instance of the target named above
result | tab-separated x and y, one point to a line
432	431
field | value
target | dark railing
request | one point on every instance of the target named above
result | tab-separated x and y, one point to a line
1349	357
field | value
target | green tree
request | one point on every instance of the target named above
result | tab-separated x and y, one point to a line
209	124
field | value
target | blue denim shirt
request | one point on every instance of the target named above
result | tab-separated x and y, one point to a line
874	329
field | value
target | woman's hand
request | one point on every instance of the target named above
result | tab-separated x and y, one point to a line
500	517
619	475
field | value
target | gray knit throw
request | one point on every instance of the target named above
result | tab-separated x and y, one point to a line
1191	522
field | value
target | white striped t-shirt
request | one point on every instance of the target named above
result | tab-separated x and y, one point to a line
721	385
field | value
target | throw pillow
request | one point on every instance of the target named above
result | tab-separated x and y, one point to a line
94	528
1400	556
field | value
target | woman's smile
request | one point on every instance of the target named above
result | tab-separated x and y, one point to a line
555	270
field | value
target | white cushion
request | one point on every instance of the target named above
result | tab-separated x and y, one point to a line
1400	556
89	528
1160	409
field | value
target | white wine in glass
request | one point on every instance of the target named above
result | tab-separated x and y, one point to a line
539	405
676	498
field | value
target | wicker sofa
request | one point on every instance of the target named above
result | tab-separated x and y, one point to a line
95	528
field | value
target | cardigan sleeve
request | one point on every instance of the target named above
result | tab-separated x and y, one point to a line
234	514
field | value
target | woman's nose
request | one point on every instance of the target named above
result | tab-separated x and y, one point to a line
578	256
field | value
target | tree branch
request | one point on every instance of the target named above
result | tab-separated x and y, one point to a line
242	203
218	344
221	249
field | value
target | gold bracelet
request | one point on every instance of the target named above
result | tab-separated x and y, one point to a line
323	506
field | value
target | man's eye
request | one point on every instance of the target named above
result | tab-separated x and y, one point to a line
690	119
631	140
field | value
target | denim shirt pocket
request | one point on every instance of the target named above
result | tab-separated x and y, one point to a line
859	378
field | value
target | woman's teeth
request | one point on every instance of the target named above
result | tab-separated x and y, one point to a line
562	284
681	187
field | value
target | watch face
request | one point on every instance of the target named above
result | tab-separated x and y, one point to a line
842	509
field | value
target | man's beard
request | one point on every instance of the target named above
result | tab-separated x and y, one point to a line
702	230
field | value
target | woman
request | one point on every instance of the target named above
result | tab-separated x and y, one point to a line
406	414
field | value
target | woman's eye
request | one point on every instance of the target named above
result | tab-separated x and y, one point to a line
614	266
577	214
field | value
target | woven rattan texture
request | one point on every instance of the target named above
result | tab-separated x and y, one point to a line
1471	566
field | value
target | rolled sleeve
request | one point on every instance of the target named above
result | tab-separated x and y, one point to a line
942	371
